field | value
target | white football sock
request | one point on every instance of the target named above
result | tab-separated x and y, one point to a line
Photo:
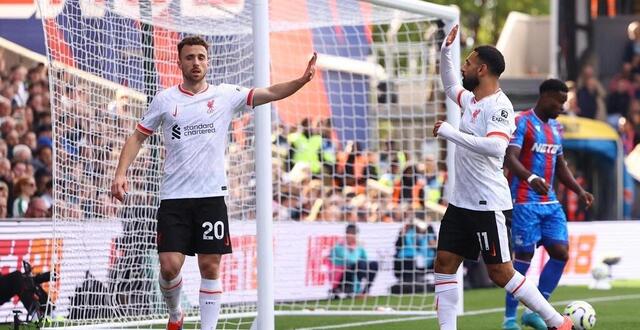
530	296
171	294
210	298
447	300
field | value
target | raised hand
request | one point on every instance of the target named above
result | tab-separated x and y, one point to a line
452	35
311	68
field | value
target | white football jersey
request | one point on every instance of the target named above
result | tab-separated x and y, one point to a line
480	183
195	129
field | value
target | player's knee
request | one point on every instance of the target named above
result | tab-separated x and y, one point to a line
169	272
524	255
559	253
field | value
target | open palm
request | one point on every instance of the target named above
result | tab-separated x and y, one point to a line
452	35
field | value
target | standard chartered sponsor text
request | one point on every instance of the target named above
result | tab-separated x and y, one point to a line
199	129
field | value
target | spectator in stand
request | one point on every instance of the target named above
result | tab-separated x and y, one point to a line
37	209
5	107
618	102
331	208
17	77
12	139
434	181
24	189
591	95
355	167
47	193
632	48
5	170
8	92
329	147
307	145
391	173
20	169
4	190
44	158
21	153
411	185
390	155
280	148
415	251
30	140
350	259
625	74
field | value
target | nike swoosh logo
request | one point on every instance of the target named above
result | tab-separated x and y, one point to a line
175	111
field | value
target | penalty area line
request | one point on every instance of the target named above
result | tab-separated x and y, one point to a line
470	313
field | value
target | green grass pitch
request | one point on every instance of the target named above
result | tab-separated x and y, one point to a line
618	309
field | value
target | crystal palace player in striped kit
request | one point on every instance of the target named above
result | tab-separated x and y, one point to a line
477	218
194	118
533	158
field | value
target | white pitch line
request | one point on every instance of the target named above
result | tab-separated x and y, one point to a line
471	313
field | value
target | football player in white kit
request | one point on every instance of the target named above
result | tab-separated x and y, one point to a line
194	118
478	217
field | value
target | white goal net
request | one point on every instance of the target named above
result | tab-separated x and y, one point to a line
353	146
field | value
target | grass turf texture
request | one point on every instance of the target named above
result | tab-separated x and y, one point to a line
619	314
484	309
615	314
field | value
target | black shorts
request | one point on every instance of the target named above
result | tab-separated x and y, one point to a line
468	233
193	225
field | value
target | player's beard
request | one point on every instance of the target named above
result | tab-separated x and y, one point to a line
470	83
191	78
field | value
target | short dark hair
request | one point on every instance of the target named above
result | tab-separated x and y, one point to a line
492	57
192	41
351	229
553	85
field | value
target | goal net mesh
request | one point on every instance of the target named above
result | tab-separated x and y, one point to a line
353	146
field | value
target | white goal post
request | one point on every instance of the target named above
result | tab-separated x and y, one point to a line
368	113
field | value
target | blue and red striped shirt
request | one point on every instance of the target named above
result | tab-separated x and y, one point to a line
540	145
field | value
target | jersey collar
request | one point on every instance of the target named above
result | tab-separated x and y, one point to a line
186	92
490	95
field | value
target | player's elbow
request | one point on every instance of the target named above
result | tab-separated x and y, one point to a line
452	93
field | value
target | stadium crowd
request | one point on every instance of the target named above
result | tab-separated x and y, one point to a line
26	144
321	179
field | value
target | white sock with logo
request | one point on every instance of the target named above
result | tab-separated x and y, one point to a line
210	299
